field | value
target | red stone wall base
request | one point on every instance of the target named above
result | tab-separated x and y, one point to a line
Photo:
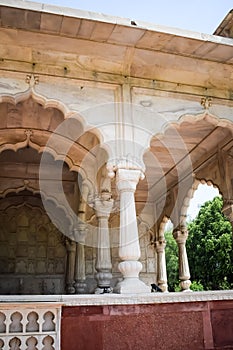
191	326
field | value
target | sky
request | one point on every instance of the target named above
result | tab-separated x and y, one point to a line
203	194
195	15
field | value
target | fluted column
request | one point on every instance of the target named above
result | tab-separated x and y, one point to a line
71	250
161	264
181	234
103	208
129	250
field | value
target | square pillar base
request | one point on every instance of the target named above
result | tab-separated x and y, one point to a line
131	285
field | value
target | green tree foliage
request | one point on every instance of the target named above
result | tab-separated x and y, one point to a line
172	262
209	247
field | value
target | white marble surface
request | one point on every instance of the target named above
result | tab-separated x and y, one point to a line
119	299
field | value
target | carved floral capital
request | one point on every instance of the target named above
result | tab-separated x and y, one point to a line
180	234
127	179
103	206
160	246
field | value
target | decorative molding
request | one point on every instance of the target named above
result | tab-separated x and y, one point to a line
21	144
32	80
206	102
25	186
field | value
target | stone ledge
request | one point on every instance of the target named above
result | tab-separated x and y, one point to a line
119	299
54	10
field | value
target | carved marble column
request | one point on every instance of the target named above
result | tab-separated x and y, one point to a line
71	250
129	250
80	235
103	207
161	263
80	271
181	234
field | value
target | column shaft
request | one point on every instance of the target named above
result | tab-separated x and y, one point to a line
181	234
80	235
103	261
71	249
129	250
162	271
80	271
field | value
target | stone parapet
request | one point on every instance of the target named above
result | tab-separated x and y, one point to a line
120	299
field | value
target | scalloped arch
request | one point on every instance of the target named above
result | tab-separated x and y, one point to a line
51	103
192	119
190	194
56	156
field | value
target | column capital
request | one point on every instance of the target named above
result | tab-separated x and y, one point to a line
80	232
180	234
127	179
125	163
103	206
70	245
160	246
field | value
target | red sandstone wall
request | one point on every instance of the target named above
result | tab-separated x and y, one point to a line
191	326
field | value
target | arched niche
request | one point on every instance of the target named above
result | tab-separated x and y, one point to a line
32	250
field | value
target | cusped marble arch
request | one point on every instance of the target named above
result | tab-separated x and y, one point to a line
52	103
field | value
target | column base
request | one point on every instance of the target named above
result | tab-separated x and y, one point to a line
132	285
103	290
80	287
70	289
163	287
185	286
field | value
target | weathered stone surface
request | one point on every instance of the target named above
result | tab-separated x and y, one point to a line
167	326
